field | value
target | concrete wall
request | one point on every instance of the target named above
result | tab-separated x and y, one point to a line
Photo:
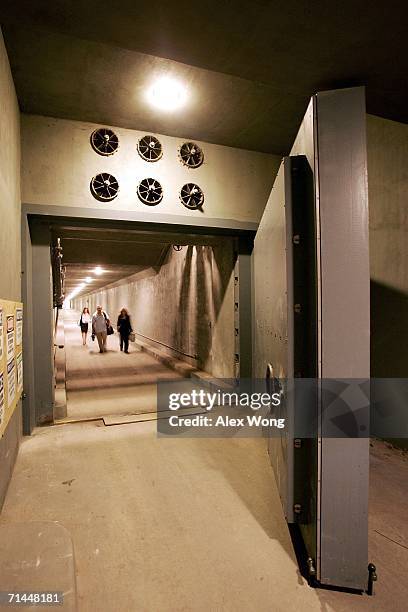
186	305
387	145
59	162
10	239
10	200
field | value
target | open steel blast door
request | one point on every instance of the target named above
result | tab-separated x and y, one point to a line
311	324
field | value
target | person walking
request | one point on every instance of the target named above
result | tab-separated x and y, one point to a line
100	324
84	322
124	327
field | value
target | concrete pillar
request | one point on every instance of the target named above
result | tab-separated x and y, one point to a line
28	327
244	295
42	321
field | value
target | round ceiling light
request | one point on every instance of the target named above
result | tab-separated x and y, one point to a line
167	94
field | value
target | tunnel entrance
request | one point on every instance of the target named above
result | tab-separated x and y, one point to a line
180	303
186	289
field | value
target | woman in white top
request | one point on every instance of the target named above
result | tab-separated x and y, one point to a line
84	324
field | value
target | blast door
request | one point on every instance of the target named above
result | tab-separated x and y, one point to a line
311	327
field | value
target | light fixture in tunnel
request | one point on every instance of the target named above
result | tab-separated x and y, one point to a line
88	279
167	94
98	270
75	292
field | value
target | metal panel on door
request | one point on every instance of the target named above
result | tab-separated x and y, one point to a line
272	352
285	328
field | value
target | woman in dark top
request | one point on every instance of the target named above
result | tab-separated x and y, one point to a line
124	329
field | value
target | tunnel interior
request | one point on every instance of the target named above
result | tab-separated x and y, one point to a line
180	292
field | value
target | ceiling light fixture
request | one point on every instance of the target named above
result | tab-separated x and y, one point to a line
88	279
167	94
75	292
98	270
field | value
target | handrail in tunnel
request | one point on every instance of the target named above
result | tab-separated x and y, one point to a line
167	346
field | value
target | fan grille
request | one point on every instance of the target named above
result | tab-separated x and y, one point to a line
191	155
149	148
150	191
104	187
191	196
104	141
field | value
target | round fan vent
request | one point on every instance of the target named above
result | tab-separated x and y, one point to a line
149	148
104	141
150	191
191	155
104	187
191	196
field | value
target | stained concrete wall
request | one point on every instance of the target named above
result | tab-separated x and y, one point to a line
10	238
10	200
186	306
59	162
387	148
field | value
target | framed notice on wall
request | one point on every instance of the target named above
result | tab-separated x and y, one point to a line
19	366
19	326
10	336
11	381
11	359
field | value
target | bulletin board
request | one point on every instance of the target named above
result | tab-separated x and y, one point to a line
11	359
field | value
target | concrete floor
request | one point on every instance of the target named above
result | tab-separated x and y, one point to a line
113	383
169	525
187	524
161	524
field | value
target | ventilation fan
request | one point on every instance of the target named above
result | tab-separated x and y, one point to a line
191	196
150	191
104	141
191	155
149	148
104	187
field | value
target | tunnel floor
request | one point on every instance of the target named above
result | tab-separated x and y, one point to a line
112	383
190	524
175	524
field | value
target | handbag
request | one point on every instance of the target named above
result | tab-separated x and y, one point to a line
109	330
132	336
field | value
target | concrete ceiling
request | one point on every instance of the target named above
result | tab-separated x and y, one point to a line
250	66
119	251
95	82
119	254
75	274
107	248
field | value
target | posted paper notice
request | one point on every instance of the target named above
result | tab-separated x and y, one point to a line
19	360
19	326
10	337
11	381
